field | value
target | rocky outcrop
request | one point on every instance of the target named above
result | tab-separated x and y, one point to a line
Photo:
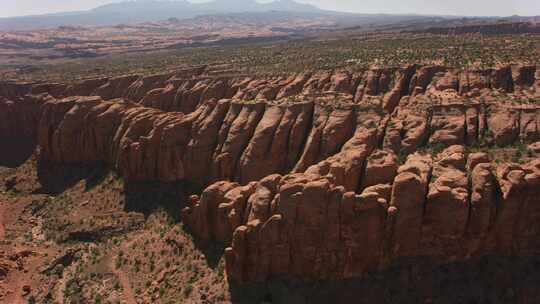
186	90
408	128
85	87
407	205
447	125
13	90
138	142
219	137
19	118
280	231
324	175
276	142
308	225
446	209
311	120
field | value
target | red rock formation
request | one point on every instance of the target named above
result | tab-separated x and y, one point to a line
19	118
276	142
523	76
446	210
115	87
447	125
307	225
501	79
483	207
87	130
85	87
472	82
408	128
13	90
405	215
54	89
381	168
312	175
504	125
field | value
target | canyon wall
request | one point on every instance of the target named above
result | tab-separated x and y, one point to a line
324	175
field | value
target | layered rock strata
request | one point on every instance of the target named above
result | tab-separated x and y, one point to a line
325	175
308	225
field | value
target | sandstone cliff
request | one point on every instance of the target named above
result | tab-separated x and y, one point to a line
318	175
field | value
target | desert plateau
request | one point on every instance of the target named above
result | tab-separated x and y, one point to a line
246	152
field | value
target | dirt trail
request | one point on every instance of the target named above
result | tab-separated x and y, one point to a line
127	291
2	228
14	282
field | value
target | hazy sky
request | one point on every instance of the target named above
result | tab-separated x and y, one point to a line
442	7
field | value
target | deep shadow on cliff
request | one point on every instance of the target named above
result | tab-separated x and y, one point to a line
55	179
142	197
147	197
487	280
20	151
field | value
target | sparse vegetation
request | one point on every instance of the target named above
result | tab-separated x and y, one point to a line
128	237
461	51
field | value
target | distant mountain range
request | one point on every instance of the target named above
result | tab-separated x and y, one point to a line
151	10
141	11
